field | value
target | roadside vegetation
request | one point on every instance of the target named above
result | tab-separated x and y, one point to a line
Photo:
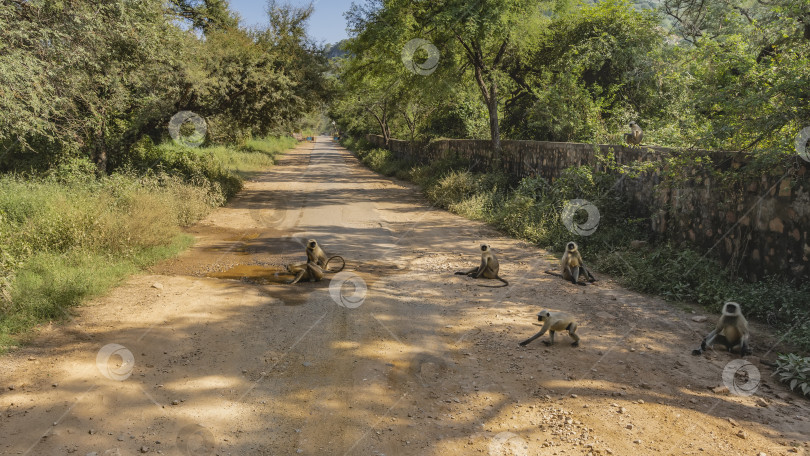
67	234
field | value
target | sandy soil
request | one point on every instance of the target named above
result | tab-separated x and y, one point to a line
215	356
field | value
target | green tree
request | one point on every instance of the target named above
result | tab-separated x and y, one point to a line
205	15
94	80
475	39
586	72
749	68
484	32
92	77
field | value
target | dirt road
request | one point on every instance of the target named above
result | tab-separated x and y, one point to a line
215	356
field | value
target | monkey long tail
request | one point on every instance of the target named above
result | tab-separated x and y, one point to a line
554	273
530	339
326	265
294	281
505	283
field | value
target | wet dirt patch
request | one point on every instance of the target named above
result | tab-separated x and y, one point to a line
238	249
243	237
219	250
260	275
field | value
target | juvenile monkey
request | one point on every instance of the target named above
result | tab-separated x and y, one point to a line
731	331
488	269
553	322
572	265
315	254
634	137
305	271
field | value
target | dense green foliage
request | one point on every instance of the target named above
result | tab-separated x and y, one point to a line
714	75
91	78
795	371
531	208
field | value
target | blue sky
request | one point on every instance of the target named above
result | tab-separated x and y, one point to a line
327	23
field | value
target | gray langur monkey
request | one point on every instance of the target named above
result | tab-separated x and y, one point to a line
572	265
305	271
315	254
731	331
488	269
634	137
553	322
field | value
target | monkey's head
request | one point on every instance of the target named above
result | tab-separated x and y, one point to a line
632	123
543	315
311	244
572	246
484	247
731	308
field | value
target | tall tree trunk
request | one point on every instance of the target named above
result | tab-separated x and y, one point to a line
494	125
386	129
101	152
490	95
383	121
101	160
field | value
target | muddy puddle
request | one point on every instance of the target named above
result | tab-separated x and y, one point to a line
243	237
289	295
234	250
262	275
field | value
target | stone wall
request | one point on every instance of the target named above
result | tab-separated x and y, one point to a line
760	228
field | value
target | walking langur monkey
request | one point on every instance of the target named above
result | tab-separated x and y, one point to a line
572	265
634	137
553	322
731	331
315	254
488	269
305	271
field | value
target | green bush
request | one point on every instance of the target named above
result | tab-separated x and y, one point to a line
795	372
384	162
454	187
199	166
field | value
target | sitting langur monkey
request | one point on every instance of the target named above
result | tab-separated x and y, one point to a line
316	266
572	265
731	331
315	254
634	137
305	271
488	269
553	322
